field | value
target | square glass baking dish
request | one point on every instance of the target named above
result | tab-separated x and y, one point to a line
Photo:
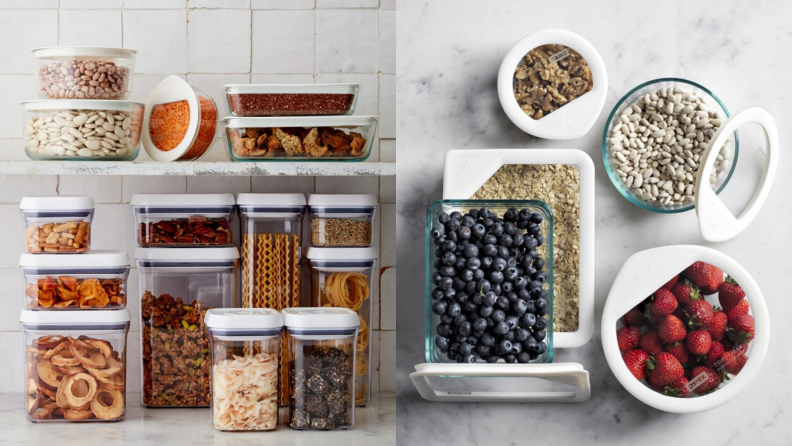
291	100
433	353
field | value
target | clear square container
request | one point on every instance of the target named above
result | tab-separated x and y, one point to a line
245	368
321	344
57	225
342	278
461	291
291	100
94	280
82	130
310	138
83	72
183	220
177	287
342	220
75	365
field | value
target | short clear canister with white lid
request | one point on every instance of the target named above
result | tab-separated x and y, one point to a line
342	278
342	219
177	287
183	220
321	367
96	279
245	346
75	364
57	225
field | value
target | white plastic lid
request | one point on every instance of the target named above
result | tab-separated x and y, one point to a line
571	120
300	121
81	104
55	52
90	259
244	318
183	200
60	203
187	254
273	200
319	318
75	317
314	253
342	200
291	88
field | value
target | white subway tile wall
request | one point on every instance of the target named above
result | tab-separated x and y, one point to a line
210	43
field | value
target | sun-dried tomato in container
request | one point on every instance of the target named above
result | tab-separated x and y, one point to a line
183	220
95	280
291	100
179	123
177	287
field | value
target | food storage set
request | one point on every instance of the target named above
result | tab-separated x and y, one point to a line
74	319
669	145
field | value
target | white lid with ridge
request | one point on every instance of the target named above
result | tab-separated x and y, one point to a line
59	203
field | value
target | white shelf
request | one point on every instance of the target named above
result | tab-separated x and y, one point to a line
218	168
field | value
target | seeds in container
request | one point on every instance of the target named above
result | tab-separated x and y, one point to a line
658	141
340	232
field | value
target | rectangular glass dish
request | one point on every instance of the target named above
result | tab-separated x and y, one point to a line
545	251
291	100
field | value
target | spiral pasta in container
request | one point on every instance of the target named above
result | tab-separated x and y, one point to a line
342	278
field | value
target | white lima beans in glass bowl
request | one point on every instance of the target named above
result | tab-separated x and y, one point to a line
82	130
654	139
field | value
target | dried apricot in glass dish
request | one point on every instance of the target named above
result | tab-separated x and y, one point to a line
549	77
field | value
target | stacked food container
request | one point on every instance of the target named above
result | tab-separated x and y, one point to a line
83	114
297	123
343	264
74	321
187	265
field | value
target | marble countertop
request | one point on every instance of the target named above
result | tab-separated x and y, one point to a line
449	52
374	425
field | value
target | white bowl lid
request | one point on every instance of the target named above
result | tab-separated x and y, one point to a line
79	104
53	52
314	253
75	317
183	200
244	318
571	120
60	203
319	318
291	88
188	254
90	259
342	200
274	200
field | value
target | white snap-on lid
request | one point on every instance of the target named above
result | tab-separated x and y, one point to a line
271	200
85	318
342	200
571	120
90	259
314	253
58	52
61	203
187	254
82	104
183	200
244	319
319	318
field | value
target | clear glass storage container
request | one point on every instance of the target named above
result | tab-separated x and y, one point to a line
97	279
342	278
82	130
342	220
321	367
543	354
83	72
55	225
75	365
183	220
246	374
291	100
177	287
310	138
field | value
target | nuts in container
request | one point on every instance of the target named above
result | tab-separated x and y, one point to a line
84	72
57	224
75	365
183	219
291	100
342	220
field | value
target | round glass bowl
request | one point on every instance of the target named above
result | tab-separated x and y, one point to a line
630	98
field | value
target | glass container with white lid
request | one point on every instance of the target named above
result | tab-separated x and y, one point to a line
342	219
57	225
183	220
